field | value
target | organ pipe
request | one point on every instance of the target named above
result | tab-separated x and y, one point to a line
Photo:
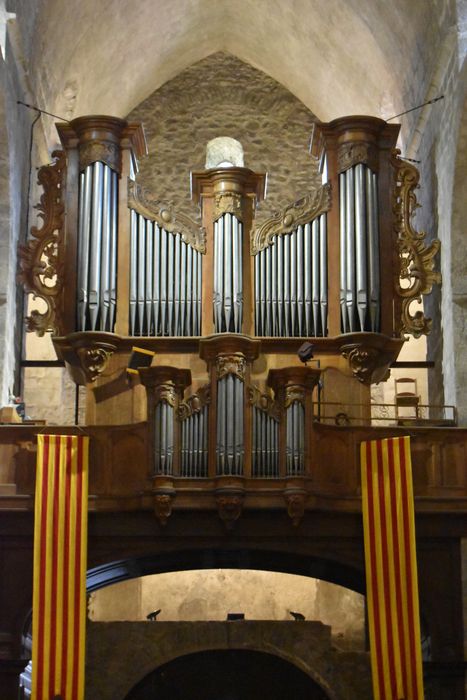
97	248
228	274
229	434
359	250
165	281
291	295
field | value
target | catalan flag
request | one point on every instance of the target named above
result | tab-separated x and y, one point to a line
391	570
60	547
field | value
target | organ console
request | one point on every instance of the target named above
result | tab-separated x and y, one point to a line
225	302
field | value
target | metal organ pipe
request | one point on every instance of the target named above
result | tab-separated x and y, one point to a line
164	437
228	277
194	444
97	248
165	281
291	294
359	250
229	433
265	457
295	439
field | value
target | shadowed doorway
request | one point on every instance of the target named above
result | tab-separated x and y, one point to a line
227	675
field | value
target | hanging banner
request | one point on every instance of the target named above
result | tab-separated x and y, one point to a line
391	569
60	548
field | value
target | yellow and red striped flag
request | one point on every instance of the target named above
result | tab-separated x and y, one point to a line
60	549
391	570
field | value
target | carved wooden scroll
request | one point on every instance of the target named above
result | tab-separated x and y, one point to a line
263	402
195	403
145	204
41	259
300	212
416	258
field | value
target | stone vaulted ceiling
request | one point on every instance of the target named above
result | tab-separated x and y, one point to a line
337	56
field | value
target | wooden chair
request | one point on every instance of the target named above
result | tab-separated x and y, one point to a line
406	396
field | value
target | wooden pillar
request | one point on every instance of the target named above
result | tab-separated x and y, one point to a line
117	144
229	353
350	141
235	191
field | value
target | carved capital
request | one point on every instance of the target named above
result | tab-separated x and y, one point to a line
416	276
166	217
354	152
227	203
94	359
296	214
163	503
165	392
293	393
107	152
234	363
41	259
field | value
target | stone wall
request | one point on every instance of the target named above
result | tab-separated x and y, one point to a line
210	594
110	676
222	96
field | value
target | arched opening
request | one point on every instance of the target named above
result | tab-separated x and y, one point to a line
228	675
326	569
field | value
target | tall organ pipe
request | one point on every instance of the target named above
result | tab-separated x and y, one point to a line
229	429
295	439
228	278
165	281
97	248
194	451
291	294
359	250
265	453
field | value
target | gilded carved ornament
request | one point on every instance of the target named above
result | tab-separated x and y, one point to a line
163	506
227	203
234	363
285	221
416	258
355	152
363	362
165	217
293	393
41	259
263	402
195	403
94	360
166	393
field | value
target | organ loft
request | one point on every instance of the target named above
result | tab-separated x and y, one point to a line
229	358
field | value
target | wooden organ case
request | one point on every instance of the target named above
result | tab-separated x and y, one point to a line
226	416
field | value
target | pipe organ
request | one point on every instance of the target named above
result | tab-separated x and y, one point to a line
225	301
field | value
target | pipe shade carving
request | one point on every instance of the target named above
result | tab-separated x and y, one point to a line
144	203
41	259
296	214
416	257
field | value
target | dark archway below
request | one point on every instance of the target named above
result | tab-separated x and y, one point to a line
231	674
